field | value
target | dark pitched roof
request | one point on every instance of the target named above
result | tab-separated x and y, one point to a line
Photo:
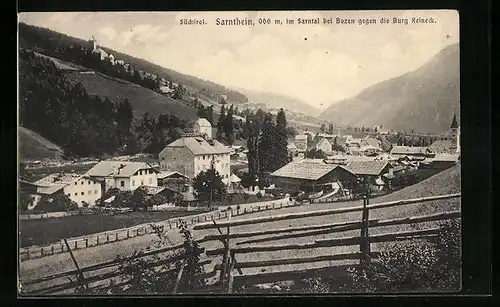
441	145
308	169
405	150
372	168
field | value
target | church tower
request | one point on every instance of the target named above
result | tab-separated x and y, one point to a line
455	134
93	43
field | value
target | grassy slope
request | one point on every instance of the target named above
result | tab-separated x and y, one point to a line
46	231
32	146
142	99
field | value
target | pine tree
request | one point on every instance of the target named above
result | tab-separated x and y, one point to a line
281	146
228	126
209	114
220	123
330	129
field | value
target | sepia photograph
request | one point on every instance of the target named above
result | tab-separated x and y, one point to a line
238	153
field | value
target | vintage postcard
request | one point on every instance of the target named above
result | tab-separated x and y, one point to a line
244	152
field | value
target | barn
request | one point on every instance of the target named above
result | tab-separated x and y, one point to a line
311	175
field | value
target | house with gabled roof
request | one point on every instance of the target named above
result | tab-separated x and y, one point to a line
310	174
124	175
81	189
193	153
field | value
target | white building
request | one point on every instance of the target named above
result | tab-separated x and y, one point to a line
80	189
324	145
124	175
194	153
203	126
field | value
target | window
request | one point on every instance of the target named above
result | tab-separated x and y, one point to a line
69	194
83	193
95	192
150	180
90	192
122	183
89	182
83	182
76	183
163	158
142	182
133	182
151	171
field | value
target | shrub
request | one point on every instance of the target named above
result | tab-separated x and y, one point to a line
60	202
418	265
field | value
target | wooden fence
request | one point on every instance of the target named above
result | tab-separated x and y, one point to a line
229	271
107	237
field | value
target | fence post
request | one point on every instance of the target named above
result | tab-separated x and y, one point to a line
86	242
107	238
52	248
136	232
225	259
41	251
365	243
76	244
116	236
28	253
97	239
128	233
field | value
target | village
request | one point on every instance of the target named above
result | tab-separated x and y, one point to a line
351	167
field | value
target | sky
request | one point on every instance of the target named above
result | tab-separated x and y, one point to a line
318	64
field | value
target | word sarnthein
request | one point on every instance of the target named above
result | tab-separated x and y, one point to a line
309	21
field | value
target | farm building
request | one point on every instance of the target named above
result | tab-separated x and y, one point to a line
310	175
168	194
371	170
441	161
170	176
80	189
124	175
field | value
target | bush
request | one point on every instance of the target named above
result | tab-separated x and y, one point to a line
418	265
60	202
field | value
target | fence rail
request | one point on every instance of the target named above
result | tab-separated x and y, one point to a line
364	240
230	270
96	239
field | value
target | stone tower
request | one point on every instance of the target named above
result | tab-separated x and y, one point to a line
93	43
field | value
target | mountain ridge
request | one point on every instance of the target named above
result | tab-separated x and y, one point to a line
422	100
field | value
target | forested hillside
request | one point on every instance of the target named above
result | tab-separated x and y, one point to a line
53	44
83	124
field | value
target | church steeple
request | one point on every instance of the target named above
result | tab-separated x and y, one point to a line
454	123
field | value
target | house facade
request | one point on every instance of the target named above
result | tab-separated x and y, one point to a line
203	126
194	153
80	189
124	175
324	145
